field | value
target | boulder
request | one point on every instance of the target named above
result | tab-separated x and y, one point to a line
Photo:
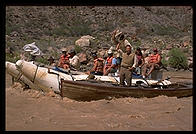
102	53
82	58
84	41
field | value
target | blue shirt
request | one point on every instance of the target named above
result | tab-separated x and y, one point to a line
114	61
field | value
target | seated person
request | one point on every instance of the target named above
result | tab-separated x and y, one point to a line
98	65
140	60
74	60
110	64
154	62
51	61
64	59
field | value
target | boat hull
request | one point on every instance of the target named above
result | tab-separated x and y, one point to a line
85	91
11	70
44	78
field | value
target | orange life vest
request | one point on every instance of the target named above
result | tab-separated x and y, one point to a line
109	61
154	58
99	64
63	60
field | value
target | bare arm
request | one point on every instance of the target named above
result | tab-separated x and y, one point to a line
134	64
158	60
94	67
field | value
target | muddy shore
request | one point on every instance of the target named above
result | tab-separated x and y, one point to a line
32	110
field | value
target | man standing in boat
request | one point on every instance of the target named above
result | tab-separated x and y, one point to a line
129	62
98	65
64	59
120	41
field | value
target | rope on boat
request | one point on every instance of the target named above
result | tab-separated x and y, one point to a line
35	73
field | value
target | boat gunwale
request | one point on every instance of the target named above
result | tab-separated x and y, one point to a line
97	85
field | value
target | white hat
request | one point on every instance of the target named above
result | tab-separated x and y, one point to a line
110	51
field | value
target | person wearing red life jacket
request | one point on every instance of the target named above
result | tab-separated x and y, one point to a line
154	62
110	64
64	60
98	65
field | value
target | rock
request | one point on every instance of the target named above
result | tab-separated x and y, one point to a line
169	47
166	58
51	49
82	58
165	52
84	41
51	94
102	53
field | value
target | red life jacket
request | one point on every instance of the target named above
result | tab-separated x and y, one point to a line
154	58
63	58
99	62
109	61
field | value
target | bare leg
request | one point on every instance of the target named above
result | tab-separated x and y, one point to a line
151	68
144	69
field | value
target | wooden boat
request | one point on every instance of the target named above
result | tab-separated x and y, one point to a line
87	91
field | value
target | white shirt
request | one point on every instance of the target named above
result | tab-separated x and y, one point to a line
74	61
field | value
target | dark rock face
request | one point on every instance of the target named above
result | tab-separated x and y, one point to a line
54	27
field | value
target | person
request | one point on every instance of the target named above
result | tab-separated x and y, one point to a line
140	60
154	61
51	61
74	60
32	58
110	64
98	65
120	42
64	59
129	62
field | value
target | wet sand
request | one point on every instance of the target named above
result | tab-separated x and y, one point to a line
32	110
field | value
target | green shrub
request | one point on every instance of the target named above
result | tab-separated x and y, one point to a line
163	30
177	59
164	61
77	27
10	28
42	60
12	57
